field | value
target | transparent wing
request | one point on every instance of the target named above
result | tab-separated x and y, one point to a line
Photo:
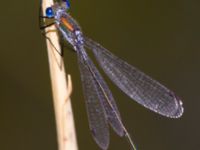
136	84
104	95
96	116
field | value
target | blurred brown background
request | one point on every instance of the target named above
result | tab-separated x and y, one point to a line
162	38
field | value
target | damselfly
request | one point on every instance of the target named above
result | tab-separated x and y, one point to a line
101	108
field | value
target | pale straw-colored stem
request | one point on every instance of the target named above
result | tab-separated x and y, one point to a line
61	92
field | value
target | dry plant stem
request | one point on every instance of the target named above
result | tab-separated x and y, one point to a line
62	105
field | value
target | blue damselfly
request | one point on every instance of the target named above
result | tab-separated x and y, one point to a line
101	108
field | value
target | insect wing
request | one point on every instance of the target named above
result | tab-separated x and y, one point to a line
105	96
97	120
138	86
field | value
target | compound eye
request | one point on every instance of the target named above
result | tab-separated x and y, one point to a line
49	12
67	3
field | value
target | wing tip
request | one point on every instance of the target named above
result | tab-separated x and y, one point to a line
175	111
102	143
179	105
178	109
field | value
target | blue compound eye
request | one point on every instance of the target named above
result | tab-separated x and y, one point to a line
49	12
67	3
